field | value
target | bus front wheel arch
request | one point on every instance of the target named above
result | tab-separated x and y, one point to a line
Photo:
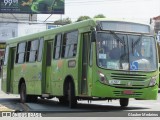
19	85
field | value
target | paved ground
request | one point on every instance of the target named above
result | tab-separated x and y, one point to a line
12	103
93	109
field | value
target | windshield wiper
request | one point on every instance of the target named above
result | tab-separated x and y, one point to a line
122	41
117	38
136	42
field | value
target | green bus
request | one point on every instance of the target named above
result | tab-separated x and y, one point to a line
95	59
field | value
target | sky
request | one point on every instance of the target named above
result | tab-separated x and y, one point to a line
140	10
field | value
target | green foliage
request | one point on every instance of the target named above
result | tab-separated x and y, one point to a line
64	21
81	18
99	16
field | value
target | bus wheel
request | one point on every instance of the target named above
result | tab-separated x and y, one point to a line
63	100
124	102
71	96
23	96
32	98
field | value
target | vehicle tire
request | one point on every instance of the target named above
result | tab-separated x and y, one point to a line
71	96
23	96
124	102
63	100
32	98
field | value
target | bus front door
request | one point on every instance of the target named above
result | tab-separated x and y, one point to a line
46	85
85	51
10	70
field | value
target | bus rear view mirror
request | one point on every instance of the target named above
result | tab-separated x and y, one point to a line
93	36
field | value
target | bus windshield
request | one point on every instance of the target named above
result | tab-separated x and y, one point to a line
126	52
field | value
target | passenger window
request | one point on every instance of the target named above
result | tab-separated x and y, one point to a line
28	51
57	46
40	49
33	51
69	48
20	55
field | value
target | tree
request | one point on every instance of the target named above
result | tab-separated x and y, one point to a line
64	21
81	18
99	16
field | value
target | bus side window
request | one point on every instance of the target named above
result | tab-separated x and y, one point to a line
33	51
40	49
64	45
28	51
70	41
57	46
20	55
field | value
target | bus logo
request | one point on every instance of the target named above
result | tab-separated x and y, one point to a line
129	84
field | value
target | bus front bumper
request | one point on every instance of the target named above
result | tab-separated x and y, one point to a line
101	90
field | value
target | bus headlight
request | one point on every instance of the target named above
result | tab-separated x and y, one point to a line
153	81
103	78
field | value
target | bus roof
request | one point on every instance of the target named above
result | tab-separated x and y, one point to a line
68	27
61	29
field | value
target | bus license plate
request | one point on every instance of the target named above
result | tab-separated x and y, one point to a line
114	82
128	92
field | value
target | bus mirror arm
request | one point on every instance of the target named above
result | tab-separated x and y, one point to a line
93	35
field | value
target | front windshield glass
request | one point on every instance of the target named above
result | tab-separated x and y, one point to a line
142	51
126	52
112	51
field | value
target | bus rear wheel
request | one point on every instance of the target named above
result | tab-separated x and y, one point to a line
124	102
23	96
32	98
63	100
71	96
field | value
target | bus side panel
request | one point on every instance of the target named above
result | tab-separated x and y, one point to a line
24	72
72	71
57	77
38	80
31	76
60	71
18	75
62	68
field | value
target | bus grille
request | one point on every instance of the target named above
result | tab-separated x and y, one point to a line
138	81
134	95
134	77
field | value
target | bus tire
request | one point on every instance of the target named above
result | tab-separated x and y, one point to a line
23	94
124	102
63	100
71	95
32	98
